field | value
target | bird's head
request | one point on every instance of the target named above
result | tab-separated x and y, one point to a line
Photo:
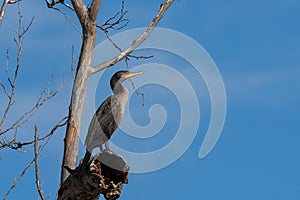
121	76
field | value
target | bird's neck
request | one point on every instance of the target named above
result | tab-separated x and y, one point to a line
120	90
119	100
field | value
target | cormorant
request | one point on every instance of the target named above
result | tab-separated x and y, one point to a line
108	116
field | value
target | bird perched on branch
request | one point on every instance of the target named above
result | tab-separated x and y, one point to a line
108	116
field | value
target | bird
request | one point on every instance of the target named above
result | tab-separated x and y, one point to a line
109	114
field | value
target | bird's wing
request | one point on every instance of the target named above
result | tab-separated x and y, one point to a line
101	126
106	117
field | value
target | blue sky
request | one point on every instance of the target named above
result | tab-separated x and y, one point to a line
255	45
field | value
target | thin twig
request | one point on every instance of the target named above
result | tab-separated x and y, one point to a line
69	20
117	19
5	91
36	161
136	90
109	39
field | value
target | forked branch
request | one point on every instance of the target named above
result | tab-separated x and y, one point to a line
116	22
39	150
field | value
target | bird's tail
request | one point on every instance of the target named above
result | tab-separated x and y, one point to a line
86	159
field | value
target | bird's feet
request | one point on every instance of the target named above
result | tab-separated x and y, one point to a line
106	146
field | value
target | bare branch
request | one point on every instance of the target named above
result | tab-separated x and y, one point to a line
140	57
112	23
80	10
110	40
45	95
17	145
36	161
10	95
18	179
163	7
25	170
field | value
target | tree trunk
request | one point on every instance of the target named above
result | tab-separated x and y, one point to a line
78	95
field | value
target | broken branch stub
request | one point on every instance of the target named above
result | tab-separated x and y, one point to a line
106	174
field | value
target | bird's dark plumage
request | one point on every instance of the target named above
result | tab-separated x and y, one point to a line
108	116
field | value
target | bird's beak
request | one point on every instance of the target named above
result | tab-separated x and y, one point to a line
131	74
